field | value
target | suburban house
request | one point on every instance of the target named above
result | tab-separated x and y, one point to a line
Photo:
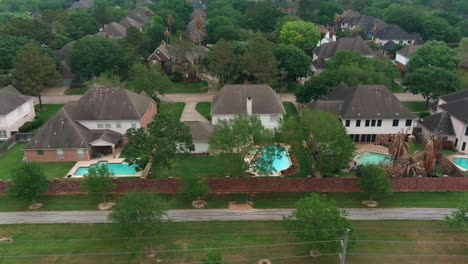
141	14
396	34
327	35
450	119
403	55
128	22
112	30
201	133
165	55
370	113
326	51
250	99
15	110
82	4
91	127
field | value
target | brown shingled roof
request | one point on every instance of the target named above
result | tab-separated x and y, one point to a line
201	131
356	44
10	99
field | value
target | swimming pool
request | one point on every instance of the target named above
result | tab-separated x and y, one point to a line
461	162
373	158
116	168
280	158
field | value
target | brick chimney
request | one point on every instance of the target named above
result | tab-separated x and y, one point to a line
249	105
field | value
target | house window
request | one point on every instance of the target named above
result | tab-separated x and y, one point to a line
396	122
274	118
409	42
373	123
379	122
367	123
463	146
133	125
408	122
358	123
99	125
40	152
3	134
108	125
466	131
347	123
60	154
456	142
118	125
80	153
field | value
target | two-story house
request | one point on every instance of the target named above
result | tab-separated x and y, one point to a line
15	110
403	56
396	34
93	126
450	119
248	99
370	113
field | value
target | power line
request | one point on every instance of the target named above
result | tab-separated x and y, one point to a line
169	251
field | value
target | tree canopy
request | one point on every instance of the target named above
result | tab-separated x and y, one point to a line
375	181
435	54
301	34
147	78
98	181
260	61
224	63
27	182
293	60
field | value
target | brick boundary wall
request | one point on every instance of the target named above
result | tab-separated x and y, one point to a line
262	185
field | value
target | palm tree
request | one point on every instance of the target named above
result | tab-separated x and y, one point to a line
399	146
411	164
430	158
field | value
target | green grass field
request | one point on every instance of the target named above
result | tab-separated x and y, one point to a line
189	87
13	158
174	109
260	201
247	242
204	108
290	109
197	166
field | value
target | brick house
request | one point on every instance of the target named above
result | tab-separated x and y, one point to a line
93	126
370	113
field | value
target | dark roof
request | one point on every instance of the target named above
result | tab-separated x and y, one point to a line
356	44
107	135
438	123
347	15
461	94
395	32
101	103
363	101
62	53
10	99
128	22
389	46
367	23
115	30
141	14
231	99
457	109
407	51
201	131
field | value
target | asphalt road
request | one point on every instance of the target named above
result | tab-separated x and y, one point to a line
194	215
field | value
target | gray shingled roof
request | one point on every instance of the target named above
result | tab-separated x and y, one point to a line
363	101
128	22
348	14
101	103
231	99
114	30
10	99
366	23
455	96
141	14
106	135
407	51
457	109
201	131
356	44
438	123
395	32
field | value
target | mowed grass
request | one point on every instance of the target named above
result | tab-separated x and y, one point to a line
188	87
247	242
204	108
415	106
14	157
76	91
290	109
174	109
260	201
195	166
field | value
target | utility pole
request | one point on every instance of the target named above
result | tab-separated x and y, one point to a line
344	245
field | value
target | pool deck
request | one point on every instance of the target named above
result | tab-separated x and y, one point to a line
361	148
452	157
88	163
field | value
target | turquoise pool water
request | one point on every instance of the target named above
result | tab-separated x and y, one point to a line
461	162
281	158
373	158
116	168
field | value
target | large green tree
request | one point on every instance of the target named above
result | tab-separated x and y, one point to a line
293	60
147	78
139	215
436	28
433	53
263	15
327	12
260	61
224	63
320	139
94	55
27	182
34	68
317	219
233	140
410	18
463	52
222	27
81	23
303	35
98	181
9	45
375	181
164	140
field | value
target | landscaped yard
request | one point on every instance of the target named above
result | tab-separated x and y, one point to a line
48	111
290	109
396	88
13	158
418	108
174	109
188	242
204	108
197	166
188	87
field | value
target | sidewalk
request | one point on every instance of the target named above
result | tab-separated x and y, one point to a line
194	215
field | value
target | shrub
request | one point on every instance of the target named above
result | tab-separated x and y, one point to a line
424	114
28	126
195	188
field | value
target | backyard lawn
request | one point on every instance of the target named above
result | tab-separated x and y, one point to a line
418	108
204	108
189	242
13	158
197	166
188	87
174	109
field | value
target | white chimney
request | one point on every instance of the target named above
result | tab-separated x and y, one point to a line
249	105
